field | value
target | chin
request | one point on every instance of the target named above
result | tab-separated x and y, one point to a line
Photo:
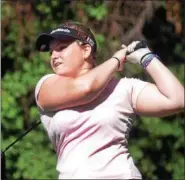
65	73
60	71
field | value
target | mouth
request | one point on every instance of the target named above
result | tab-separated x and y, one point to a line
56	64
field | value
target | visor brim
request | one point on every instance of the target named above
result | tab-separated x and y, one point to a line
43	41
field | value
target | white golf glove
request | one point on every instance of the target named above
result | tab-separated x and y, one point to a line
135	55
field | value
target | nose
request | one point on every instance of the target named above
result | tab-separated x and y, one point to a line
55	54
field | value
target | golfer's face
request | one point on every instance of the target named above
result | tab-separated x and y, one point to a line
66	57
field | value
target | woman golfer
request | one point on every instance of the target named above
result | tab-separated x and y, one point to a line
87	113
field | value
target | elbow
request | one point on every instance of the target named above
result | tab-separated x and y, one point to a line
84	88
181	100
180	103
87	89
178	106
177	102
181	106
90	92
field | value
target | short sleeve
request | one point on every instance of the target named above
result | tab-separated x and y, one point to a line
38	86
137	86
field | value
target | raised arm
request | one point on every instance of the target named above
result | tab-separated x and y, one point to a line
164	97
59	92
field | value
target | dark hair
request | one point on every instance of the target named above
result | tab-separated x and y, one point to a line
82	28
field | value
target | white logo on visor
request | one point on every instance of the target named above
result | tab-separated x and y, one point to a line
90	41
60	30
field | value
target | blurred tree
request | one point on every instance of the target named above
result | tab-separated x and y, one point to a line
22	68
163	36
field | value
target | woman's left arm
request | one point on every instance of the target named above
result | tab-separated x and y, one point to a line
165	97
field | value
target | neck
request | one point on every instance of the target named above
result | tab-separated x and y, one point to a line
85	69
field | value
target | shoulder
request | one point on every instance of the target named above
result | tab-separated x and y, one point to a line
132	82
39	84
133	86
45	77
124	83
42	79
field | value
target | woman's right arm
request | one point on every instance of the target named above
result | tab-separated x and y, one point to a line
59	92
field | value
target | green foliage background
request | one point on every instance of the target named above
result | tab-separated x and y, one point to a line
157	144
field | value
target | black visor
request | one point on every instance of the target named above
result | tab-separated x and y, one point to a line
64	34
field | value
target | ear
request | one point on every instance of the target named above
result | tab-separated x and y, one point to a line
87	51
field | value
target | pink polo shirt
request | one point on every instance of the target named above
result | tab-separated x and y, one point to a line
91	141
